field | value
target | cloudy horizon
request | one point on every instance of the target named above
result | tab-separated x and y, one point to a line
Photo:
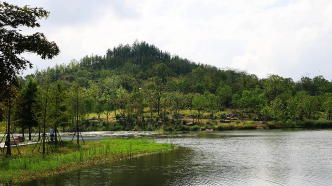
290	38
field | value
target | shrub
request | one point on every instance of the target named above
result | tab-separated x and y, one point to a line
184	128
223	116
166	118
208	123
178	122
118	116
168	129
104	123
116	128
237	122
149	127
203	128
220	127
194	128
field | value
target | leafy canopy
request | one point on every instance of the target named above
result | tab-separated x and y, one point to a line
13	43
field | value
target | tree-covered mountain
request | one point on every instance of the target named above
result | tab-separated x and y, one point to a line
140	81
141	61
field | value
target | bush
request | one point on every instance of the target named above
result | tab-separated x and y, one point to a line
94	124
118	116
184	128
220	127
105	124
194	128
116	128
203	128
208	123
168	129
147	116
313	124
178	122
149	127
223	116
166	118
237	122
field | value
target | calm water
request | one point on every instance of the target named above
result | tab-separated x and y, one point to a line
220	158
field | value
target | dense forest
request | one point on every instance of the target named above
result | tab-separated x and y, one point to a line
148	89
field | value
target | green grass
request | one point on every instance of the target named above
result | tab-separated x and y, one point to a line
28	165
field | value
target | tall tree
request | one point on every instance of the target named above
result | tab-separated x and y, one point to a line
13	43
76	96
42	107
58	96
29	94
199	104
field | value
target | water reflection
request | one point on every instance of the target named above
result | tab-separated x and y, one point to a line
223	158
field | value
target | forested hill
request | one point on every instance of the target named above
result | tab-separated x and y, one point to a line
134	65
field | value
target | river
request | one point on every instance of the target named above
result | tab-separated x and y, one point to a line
255	157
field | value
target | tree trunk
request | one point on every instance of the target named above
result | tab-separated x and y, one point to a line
78	137
29	132
44	134
9	150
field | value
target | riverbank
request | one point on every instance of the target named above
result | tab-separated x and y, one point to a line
33	165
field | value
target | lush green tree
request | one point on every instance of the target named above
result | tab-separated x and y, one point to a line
199	104
98	107
42	107
266	112
293	108
212	103
310	106
276	85
123	98
277	109
176	100
88	105
327	106
137	99
57	104
225	95
76	107
13	43
108	105
28	97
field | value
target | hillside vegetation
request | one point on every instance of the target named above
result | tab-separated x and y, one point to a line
140	87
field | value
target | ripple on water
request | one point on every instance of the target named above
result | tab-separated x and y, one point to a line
222	158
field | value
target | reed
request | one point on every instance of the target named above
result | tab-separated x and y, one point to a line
28	165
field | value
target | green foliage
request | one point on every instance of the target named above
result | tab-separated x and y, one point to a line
223	116
13	43
194	128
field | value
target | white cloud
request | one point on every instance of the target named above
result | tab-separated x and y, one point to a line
284	37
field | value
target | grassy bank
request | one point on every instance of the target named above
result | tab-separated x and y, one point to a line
29	166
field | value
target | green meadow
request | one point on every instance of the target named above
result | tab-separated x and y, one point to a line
33	165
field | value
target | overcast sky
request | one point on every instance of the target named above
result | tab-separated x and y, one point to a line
290	38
